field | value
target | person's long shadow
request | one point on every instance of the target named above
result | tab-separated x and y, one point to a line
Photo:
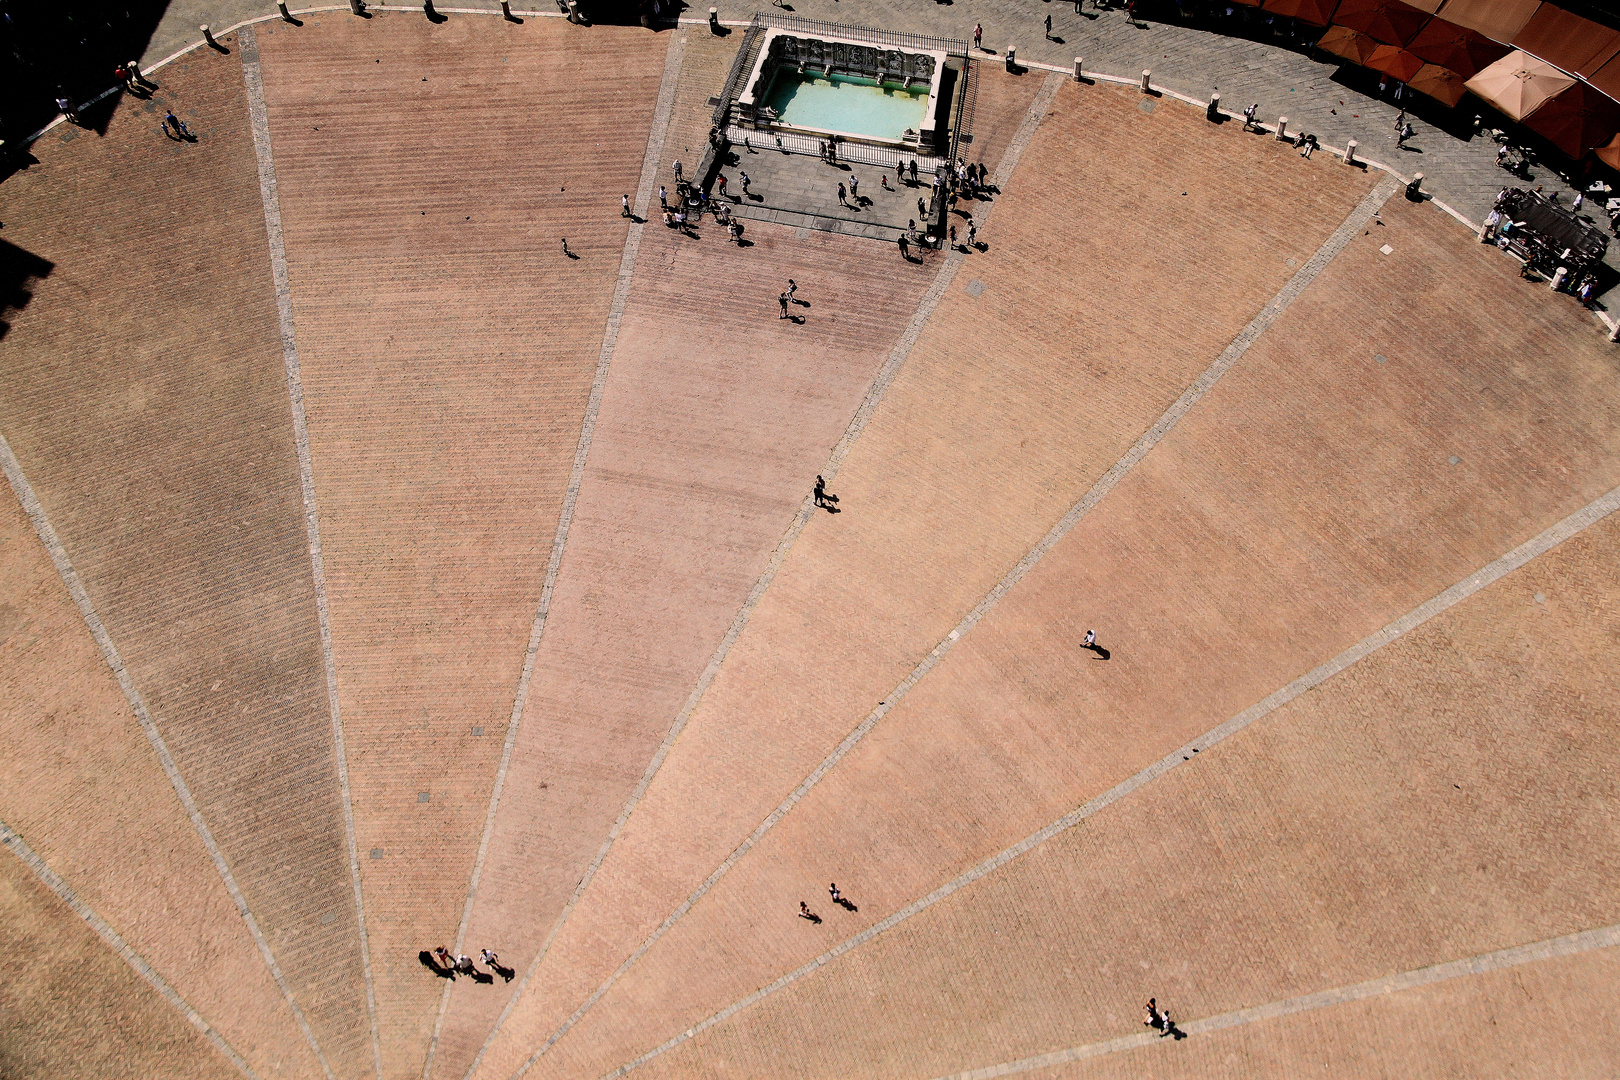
482	977
846	903
433	965
507	974
1102	653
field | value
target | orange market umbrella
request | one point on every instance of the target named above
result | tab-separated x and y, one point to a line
1610	155
1398	64
1519	84
1456	47
1442	84
1314	12
1351	45
1577	120
1389	21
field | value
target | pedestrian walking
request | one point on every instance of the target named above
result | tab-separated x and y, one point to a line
488	958
663	197
1406	133
1155	1019
566	252
734	233
953	236
722	184
121	73
883	181
833	887
66	107
905	252
446	961
913	170
793	287
464	965
1049	27
743	177
922	208
1090	639
978	36
624	206
677	172
1249	114
843	196
855	188
783	300
821	500
973	234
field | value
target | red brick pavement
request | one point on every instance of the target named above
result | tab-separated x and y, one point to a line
82	781
1011	405
447	349
1307	501
144	393
716	418
70	1008
1436	801
1543	1019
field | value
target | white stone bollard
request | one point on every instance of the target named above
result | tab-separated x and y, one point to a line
1350	152
1614	335
208	36
281	5
1077	69
1012	58
358	7
1282	129
1559	277
1214	109
1147	76
714	20
506	11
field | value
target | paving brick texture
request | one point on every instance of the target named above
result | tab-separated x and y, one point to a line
1021	392
716	418
70	1008
82	782
144	393
1434	802
1536	1019
447	348
1293	563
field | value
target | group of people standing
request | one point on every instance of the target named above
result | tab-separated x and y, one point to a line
462	964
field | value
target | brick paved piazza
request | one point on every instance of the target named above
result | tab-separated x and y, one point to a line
379	577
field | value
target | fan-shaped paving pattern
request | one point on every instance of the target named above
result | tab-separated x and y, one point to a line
993	429
447	349
82	784
1405	420
1434	802
143	392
